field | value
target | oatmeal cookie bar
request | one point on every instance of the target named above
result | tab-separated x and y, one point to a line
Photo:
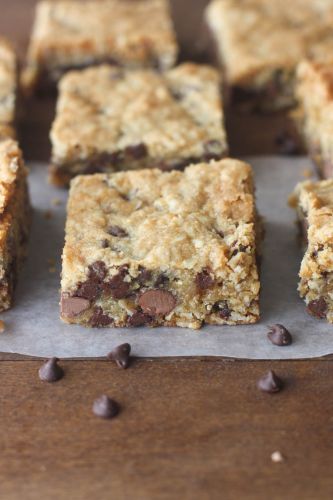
157	248
69	34
260	42
8	87
314	115
314	204
110	119
15	218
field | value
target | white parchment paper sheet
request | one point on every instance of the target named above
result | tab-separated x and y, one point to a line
34	328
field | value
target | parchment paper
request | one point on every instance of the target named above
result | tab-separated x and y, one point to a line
33	326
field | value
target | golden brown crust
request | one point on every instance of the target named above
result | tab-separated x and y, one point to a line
196	225
73	34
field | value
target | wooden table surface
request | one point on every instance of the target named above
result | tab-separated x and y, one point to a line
188	428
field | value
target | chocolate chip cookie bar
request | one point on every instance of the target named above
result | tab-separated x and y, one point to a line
69	34
314	204
314	115
8	86
155	248
15	218
110	119
260	42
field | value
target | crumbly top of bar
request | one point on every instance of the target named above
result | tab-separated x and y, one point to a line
255	37
202	217
7	82
68	33
106	109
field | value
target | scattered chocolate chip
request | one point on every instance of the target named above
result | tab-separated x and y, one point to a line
287	144
104	407
317	308
157	302
204	280
279	335
270	382
117	231
137	151
105	244
88	290
73	306
99	319
139	319
121	355
50	371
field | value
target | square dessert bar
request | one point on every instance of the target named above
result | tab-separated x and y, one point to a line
8	86
314	115
15	218
260	42
110	119
162	248
314	204
73	34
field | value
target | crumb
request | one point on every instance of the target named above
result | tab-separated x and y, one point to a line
307	172
48	214
56	202
2	326
277	457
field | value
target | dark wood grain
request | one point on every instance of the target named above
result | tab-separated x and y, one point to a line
189	428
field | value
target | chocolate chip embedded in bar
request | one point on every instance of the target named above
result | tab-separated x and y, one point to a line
150	248
315	199
68	35
260	42
135	121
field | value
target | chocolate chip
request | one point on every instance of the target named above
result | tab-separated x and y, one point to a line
161	280
97	271
317	308
270	382
139	319
104	407
222	309
121	355
204	280
157	302
213	150
117	287
117	231
99	319
144	275
279	335
73	306
105	244
89	290
287	144
137	151
50	371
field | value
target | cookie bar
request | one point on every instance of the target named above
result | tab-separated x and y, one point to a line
260	42
314	204
15	218
8	87
69	34
162	248
314	115
111	119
